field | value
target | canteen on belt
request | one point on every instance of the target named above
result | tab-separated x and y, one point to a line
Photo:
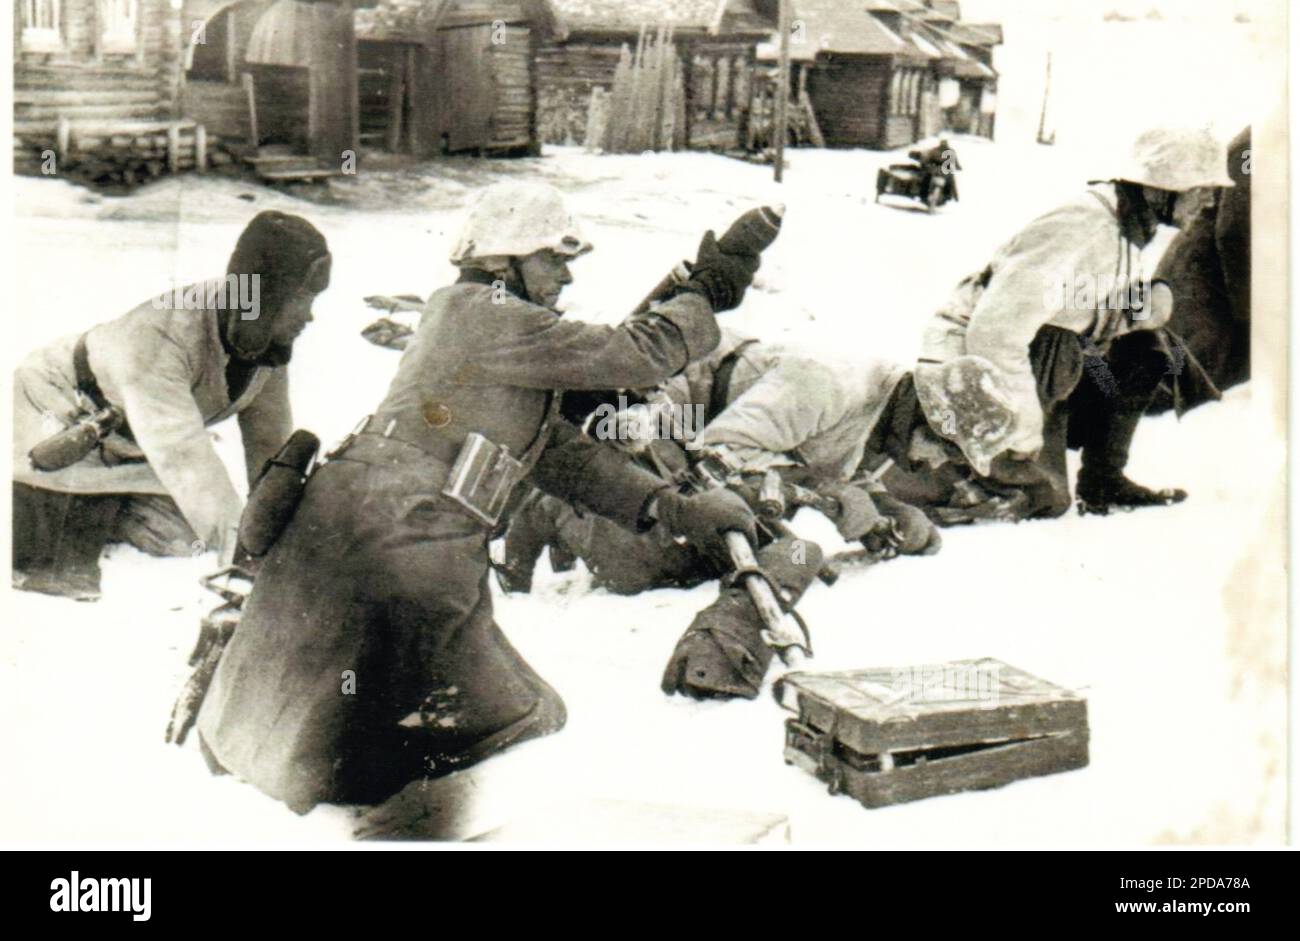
276	494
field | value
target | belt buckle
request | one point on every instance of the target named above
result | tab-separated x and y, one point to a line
347	441
482	478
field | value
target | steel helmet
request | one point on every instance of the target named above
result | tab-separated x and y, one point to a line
965	401
1177	159
517	219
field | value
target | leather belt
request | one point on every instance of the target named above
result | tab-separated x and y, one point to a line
88	385
395	429
720	391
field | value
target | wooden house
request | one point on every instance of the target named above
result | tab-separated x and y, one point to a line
885	73
150	85
967	81
276	74
91	64
868	85
715	41
450	76
975	108
213	89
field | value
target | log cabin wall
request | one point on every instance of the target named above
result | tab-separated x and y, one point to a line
872	101
507	83
718	75
900	130
220	107
78	75
566	74
476	92
514	123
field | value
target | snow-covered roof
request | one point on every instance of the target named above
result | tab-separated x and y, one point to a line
915	7
958	61
408	20
389	19
977	34
846	28
943	11
713	17
928	49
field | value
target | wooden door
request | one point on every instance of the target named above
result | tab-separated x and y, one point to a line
466	92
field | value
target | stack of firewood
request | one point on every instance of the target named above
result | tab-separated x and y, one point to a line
123	160
646	107
126	154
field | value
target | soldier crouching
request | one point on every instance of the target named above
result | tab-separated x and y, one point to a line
1014	374
110	427
785	431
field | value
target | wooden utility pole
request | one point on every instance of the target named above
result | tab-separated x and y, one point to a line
782	90
1042	116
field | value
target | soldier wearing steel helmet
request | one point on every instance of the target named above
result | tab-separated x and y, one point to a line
1016	342
382	574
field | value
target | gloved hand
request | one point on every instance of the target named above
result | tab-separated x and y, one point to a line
858	514
916	534
720	277
703	519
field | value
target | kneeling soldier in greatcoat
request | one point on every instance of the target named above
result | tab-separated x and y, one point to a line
382	573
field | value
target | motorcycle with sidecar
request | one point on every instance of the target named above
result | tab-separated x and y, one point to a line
915	180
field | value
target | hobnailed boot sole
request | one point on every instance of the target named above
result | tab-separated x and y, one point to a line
1106	507
1123	496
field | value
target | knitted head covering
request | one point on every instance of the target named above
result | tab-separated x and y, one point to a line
286	253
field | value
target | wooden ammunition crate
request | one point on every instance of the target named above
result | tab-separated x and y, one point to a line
888	736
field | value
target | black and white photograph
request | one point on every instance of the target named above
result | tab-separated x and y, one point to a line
648	424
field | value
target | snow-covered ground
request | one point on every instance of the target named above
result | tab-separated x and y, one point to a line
1156	616
1169	621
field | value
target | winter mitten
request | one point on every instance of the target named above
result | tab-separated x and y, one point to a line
723	655
858	514
702	520
722	278
916	535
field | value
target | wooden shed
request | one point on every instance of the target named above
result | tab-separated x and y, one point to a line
450	76
868	84
963	68
214	90
877	72
301	57
275	81
715	40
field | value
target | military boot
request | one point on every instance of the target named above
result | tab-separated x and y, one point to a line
1102	485
562	558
